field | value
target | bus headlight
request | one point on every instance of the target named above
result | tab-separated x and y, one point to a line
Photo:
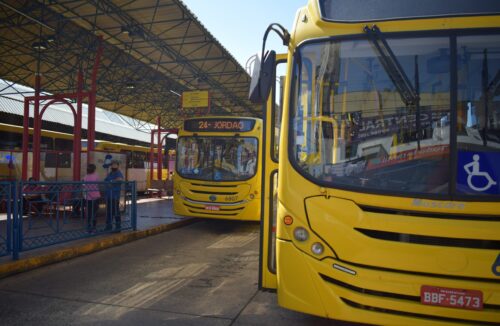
317	248
252	196
300	234
178	192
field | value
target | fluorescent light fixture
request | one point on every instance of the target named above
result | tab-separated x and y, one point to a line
40	46
174	92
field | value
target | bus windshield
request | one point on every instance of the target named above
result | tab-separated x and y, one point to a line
217	158
355	126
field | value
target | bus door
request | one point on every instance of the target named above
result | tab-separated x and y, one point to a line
271	138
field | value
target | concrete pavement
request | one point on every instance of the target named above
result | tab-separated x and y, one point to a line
202	274
153	216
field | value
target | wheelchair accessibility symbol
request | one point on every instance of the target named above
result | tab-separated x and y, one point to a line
476	178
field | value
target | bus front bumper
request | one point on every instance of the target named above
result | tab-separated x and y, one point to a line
372	296
247	211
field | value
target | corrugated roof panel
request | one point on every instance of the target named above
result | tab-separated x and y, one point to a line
62	115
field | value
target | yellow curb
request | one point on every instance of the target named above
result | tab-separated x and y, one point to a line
59	255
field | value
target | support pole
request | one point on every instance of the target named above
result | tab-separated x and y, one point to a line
159	158
26	136
151	155
77	138
92	104
37	132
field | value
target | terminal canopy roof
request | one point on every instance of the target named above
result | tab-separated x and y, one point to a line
154	50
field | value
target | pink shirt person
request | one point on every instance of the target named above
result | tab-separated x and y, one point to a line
92	190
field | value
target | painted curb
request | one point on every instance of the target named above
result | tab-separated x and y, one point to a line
26	264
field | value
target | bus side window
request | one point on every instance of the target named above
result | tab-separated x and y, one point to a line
139	159
63	144
51	160
10	140
277	108
47	143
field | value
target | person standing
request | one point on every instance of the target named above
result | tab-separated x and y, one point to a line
91	195
113	190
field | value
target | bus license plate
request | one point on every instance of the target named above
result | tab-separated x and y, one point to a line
456	298
212	208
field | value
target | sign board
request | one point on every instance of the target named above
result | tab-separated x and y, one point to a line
222	124
195	99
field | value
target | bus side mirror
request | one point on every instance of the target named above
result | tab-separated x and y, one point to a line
262	79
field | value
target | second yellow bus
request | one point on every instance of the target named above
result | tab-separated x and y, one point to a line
218	175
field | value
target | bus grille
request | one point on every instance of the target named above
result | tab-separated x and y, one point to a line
430	240
413	314
223	210
407	298
383	210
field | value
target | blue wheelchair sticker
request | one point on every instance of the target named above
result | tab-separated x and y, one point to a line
478	173
496	266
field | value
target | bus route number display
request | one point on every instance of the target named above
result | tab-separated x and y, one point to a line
216	125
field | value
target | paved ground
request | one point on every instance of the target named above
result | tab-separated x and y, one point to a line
202	274
151	212
154	211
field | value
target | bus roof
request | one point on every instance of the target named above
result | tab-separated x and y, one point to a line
355	11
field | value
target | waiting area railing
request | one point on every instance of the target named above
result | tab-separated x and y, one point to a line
39	214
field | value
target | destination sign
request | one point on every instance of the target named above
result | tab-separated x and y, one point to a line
215	125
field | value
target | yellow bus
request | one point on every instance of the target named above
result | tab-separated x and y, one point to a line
385	195
57	157
217	171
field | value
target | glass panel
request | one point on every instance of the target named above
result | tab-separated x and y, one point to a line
217	159
478	110
63	144
46	143
10	140
278	108
48	166
273	202
361	11
352	125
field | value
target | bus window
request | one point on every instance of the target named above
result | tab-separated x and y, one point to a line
358	131
278	107
64	160
63	144
217	159
10	140
137	160
47	143
57	160
51	160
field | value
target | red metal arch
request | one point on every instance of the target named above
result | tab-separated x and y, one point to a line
58	100
77	114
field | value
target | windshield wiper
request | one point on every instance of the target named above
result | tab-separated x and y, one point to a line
392	66
409	95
